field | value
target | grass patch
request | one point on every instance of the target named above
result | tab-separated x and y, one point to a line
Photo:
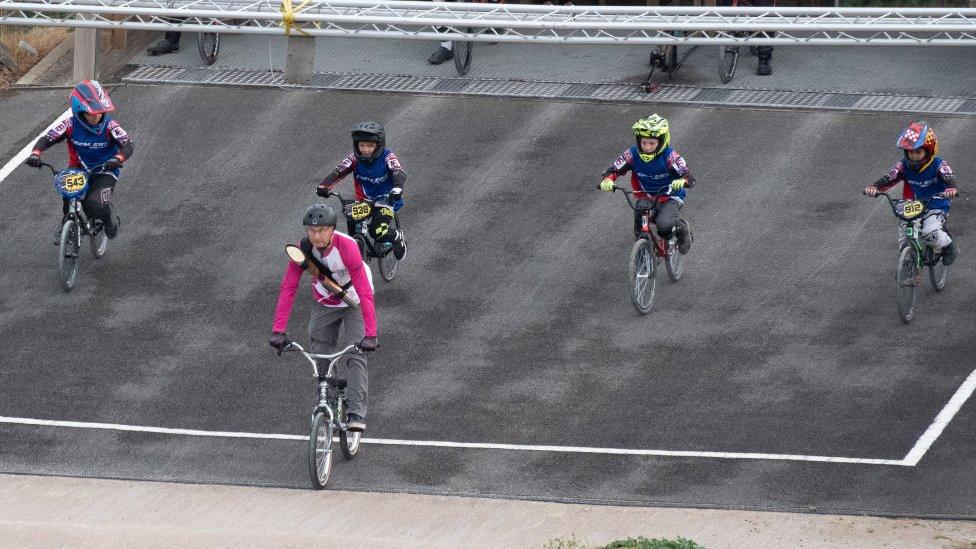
43	39
639	542
655	543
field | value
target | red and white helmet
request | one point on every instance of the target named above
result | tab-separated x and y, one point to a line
88	96
918	135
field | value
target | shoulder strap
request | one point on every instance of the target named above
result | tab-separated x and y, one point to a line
306	247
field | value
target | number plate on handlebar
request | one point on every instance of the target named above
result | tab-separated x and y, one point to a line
360	210
71	183
911	209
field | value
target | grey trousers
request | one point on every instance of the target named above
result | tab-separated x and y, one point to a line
331	329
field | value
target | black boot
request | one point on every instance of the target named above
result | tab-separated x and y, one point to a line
112	229
399	246
949	253
765	54
163	47
440	55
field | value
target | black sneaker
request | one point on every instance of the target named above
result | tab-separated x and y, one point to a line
355	423
765	67
399	246
949	254
163	47
685	238
112	230
442	54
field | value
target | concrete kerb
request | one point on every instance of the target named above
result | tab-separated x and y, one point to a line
119	513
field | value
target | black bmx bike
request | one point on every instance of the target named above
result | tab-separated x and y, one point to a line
72	184
359	213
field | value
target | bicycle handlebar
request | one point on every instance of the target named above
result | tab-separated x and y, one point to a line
628	194
54	171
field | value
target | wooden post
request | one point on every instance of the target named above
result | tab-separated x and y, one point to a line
86	54
299	59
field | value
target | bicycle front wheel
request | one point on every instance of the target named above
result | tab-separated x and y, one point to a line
208	44
68	251
670	60
320	450
462	55
642	276
907	279
728	58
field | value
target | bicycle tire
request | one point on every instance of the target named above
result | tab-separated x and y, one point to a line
320	450
674	263
68	252
462	54
938	275
388	266
208	45
99	244
728	58
907	280
670	61
643	276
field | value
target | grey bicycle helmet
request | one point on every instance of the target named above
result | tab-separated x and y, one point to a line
320	215
368	131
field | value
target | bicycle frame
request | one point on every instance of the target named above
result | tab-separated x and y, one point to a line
913	228
325	382
75	211
362	225
661	245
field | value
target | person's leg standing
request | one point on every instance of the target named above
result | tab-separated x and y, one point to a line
765	53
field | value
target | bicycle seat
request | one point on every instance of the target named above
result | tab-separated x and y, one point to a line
336	382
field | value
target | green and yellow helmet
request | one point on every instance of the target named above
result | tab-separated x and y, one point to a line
652	126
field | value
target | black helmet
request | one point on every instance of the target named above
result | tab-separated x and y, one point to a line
368	131
320	215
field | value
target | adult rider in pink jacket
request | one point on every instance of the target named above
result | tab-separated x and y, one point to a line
333	325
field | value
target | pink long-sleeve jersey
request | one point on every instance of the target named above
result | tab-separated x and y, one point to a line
343	259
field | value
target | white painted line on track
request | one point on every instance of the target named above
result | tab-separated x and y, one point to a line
941	421
19	158
462	445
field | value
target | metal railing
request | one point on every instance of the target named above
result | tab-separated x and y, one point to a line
515	23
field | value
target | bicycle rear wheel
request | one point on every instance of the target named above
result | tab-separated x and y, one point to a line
99	244
320	450
643	278
938	275
208	44
68	251
728	58
674	262
462	54
388	266
907	279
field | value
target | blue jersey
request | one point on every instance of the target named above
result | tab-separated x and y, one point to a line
924	184
374	180
90	146
652	178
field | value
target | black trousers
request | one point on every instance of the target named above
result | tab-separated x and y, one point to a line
98	201
666	217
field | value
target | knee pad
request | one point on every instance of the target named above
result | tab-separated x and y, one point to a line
382	232
937	238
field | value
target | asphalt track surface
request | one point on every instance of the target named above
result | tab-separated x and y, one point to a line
510	320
